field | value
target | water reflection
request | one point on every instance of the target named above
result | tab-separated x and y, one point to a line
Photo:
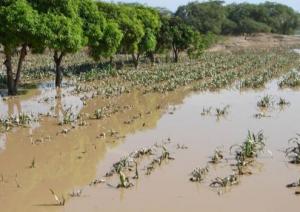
58	104
42	102
65	162
3	139
14	106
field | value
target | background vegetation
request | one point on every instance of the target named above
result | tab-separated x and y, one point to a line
215	17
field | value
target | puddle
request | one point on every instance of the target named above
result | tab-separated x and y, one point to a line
71	161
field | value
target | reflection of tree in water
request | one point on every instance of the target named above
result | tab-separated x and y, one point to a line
58	104
3	139
14	106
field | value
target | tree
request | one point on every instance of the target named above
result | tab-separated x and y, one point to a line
174	34
164	35
266	17
151	23
62	29
127	19
103	36
229	27
109	44
281	18
94	22
213	16
250	26
205	16
243	15
63	35
19	25
182	36
199	43
147	46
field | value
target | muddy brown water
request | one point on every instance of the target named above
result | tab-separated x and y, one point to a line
72	161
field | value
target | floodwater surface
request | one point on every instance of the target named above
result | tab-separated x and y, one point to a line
68	162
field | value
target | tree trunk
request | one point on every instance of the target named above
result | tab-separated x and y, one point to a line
9	75
175	53
22	56
135	59
176	56
12	83
58	71
152	57
111	59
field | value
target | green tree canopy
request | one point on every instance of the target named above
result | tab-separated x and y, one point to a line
103	37
151	24
19	26
176	35
110	42
164	36
127	19
214	16
281	18
204	16
139	25
94	22
69	25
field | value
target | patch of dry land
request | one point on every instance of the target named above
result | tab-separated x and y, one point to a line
256	41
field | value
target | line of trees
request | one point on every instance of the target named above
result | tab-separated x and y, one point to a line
243	18
106	29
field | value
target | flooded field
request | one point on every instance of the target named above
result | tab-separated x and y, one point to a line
264	190
118	106
209	134
74	164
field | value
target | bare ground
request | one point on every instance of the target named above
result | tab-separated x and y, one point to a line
232	43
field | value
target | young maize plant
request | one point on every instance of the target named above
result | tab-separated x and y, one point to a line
282	102
124	181
199	174
293	152
226	181
265	102
217	157
252	146
60	201
222	111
